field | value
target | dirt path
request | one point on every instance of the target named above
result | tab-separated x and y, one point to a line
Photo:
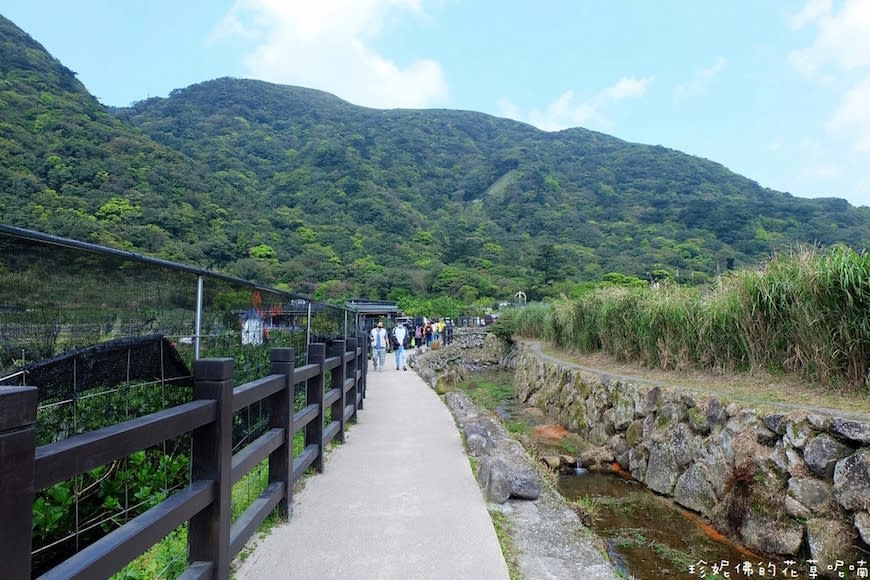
758	390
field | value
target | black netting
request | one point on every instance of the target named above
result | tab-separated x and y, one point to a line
146	359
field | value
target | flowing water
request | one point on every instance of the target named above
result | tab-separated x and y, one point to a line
647	535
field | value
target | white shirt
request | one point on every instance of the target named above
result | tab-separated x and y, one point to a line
399	332
379	337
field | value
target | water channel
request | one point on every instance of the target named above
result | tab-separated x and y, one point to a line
647	535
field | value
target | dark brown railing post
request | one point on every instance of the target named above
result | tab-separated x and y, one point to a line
336	348
208	535
17	452
364	362
314	396
352	368
281	416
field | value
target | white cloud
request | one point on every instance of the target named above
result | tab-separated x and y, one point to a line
699	83
852	117
813	10
843	37
568	111
327	45
842	43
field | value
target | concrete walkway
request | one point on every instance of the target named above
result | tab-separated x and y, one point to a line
397	500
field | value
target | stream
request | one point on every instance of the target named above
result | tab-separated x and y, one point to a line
647	535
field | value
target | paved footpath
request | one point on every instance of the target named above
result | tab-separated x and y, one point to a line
397	500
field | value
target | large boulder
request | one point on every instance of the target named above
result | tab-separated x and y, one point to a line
662	470
693	490
830	540
822	453
852	481
502	480
768	535
808	497
851	430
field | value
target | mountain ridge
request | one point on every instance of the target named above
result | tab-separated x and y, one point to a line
296	187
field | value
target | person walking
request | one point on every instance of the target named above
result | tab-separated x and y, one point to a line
401	341
379	347
427	332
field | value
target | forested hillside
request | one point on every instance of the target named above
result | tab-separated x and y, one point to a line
292	186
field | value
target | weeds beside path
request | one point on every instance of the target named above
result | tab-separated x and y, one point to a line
757	389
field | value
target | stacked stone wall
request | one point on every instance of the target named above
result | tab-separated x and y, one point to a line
777	480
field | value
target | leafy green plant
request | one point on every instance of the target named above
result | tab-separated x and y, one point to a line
504	326
588	509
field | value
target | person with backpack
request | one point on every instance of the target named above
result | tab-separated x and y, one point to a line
401	340
427	333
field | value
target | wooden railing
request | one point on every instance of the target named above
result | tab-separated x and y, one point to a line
213	540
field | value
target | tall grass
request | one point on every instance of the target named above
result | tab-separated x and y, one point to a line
532	320
805	312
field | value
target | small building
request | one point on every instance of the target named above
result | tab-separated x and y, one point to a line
368	312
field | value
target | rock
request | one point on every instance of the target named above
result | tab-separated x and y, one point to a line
812	496
622	412
637	460
624	460
852	481
682	444
694	491
779	458
830	540
797	433
597	458
766	436
649	427
698	421
716	415
501	480
774	423
669	415
661	470
862	523
553	462
794	508
650	402
822	453
599	435
494	480
716	468
819	422
634	433
617	444
771	536
851	430
475	444
471	427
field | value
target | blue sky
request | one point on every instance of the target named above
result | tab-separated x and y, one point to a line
776	90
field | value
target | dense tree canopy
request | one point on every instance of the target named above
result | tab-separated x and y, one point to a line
292	186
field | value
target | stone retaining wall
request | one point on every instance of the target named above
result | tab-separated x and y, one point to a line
771	479
776	480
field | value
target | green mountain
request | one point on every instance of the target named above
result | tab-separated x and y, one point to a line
294	186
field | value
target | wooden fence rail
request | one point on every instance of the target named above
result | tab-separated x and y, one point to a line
213	540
